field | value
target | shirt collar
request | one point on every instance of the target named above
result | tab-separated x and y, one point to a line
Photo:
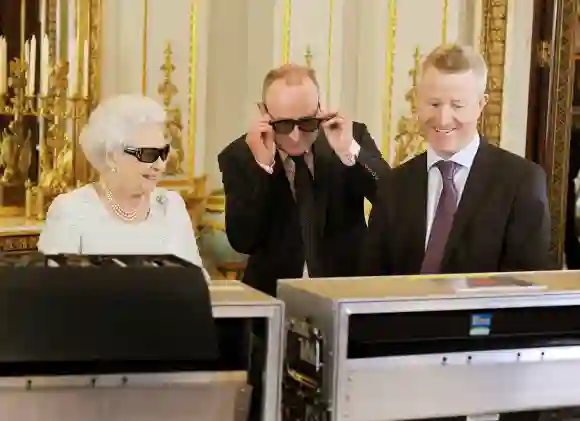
284	156
464	157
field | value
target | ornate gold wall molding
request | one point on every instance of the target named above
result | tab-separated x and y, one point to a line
329	52
51	26
389	77
95	51
444	22
192	124
560	119
493	48
145	47
286	31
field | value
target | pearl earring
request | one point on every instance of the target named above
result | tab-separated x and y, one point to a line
114	169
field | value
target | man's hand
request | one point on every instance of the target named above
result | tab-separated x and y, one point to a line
260	139
338	131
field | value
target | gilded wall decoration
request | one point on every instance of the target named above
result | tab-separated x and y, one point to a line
560	119
409	141
389	77
493	48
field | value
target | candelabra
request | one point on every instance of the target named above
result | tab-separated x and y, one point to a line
60	112
16	145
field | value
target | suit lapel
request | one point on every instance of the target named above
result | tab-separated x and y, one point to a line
475	190
323	155
414	209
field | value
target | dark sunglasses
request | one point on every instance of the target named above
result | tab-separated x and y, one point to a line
305	124
149	155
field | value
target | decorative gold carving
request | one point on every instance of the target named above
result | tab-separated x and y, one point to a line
51	26
18	242
286	31
493	49
95	45
545	53
63	111
560	120
94	8
308	56
57	153
16	149
409	140
389	77
173	125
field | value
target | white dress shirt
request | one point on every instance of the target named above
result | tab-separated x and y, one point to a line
79	223
464	158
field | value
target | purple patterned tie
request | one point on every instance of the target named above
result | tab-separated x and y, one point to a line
443	220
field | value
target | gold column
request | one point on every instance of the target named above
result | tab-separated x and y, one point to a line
329	52
444	23
192	124
286	31
389	76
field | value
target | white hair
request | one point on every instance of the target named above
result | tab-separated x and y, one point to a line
112	124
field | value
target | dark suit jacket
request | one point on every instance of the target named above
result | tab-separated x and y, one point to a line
261	216
502	222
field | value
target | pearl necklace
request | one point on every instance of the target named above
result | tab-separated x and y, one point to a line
118	210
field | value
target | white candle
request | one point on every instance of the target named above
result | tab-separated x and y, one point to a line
86	69
3	70
58	41
27	64
72	50
72	75
27	52
44	64
42	12
32	67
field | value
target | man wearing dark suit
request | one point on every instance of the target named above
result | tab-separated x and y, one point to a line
295	185
463	206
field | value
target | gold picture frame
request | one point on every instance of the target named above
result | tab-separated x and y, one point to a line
560	119
493	41
493	48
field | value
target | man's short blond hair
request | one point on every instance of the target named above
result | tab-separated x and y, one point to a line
293	74
454	58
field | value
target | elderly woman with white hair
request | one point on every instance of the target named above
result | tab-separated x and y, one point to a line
124	212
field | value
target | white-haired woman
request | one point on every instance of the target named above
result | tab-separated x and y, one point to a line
124	212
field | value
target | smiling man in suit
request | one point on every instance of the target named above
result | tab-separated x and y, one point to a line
295	184
463	206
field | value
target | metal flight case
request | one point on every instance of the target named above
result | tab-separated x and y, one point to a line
111	338
486	347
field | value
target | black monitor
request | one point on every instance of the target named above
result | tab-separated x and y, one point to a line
105	319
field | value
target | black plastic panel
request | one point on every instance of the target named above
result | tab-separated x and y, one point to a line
391	334
233	339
